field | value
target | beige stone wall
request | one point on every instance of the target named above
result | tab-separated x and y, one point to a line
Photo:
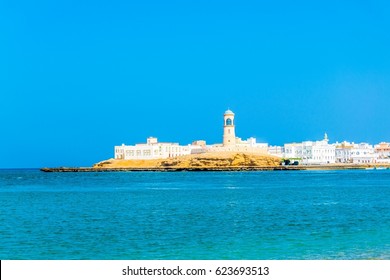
238	149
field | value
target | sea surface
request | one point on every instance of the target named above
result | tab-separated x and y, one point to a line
195	215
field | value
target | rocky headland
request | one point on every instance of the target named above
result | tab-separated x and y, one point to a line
216	161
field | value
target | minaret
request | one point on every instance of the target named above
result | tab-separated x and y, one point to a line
229	135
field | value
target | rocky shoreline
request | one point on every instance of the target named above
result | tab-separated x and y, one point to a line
216	169
229	161
162	169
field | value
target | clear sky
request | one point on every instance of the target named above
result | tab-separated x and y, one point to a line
78	77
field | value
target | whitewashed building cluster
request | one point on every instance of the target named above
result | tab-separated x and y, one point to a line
321	152
306	152
382	150
355	153
153	149
311	152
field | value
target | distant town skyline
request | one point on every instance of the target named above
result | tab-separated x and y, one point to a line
312	152
78	78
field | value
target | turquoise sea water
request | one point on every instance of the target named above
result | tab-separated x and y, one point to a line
195	215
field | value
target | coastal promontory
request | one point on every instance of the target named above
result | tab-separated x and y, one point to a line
209	161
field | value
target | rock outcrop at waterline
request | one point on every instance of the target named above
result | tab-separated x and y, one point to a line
199	161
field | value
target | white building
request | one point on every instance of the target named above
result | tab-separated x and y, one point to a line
311	152
153	149
293	150
251	143
276	151
355	153
344	152
383	150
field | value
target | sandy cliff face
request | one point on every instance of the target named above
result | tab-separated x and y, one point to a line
207	160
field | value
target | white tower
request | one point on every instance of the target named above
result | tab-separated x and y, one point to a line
229	135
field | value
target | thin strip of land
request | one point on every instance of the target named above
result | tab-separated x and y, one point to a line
227	161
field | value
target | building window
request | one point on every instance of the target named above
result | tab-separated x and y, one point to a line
229	121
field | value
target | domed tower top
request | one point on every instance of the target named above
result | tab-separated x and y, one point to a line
229	112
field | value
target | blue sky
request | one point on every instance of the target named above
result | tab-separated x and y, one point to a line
78	77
